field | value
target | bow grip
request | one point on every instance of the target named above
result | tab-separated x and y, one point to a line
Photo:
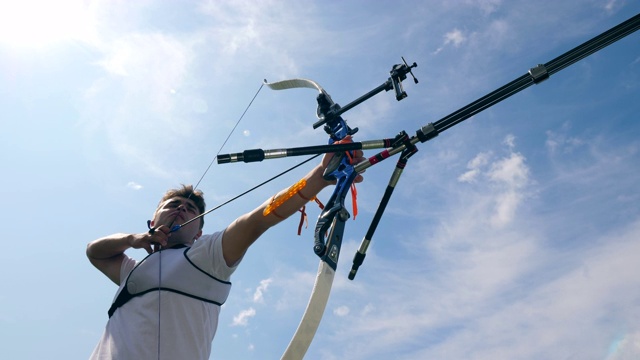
322	226
335	167
334	206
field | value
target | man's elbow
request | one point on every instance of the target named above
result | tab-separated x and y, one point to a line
91	251
88	251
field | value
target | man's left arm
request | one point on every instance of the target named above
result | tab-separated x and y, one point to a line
246	229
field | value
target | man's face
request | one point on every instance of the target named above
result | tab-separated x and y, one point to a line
177	211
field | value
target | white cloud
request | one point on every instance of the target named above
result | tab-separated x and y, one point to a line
507	179
512	175
510	141
242	319
455	37
511	171
134	185
505	208
561	141
475	166
258	296
341	311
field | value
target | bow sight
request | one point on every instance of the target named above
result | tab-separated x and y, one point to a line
328	110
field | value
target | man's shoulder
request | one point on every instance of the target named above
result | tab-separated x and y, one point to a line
208	241
207	253
206	246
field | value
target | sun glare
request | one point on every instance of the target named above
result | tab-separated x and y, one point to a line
42	23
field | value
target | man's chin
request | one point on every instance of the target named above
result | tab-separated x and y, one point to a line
178	241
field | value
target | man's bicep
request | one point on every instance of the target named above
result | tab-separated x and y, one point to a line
240	234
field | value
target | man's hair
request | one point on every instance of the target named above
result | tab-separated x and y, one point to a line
187	192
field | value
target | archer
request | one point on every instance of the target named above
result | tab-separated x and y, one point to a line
167	304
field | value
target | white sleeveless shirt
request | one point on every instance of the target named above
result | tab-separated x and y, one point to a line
187	322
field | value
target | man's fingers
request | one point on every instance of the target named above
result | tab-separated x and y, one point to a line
160	236
157	241
164	229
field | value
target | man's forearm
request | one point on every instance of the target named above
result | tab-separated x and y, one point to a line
314	184
109	246
107	253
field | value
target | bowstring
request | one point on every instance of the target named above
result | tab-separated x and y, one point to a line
221	205
228	137
159	297
194	188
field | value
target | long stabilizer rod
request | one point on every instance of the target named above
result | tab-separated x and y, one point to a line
539	73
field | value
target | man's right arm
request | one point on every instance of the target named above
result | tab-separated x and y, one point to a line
107	253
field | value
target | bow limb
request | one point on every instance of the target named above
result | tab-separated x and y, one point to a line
331	220
312	315
320	294
293	84
325	104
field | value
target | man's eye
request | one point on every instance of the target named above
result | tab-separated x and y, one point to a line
173	204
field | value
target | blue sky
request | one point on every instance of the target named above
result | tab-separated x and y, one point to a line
514	235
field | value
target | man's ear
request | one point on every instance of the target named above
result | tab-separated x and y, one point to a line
198	235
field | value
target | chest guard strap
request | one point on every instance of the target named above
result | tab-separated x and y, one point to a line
178	275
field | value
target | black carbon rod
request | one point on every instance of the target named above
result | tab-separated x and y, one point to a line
540	73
